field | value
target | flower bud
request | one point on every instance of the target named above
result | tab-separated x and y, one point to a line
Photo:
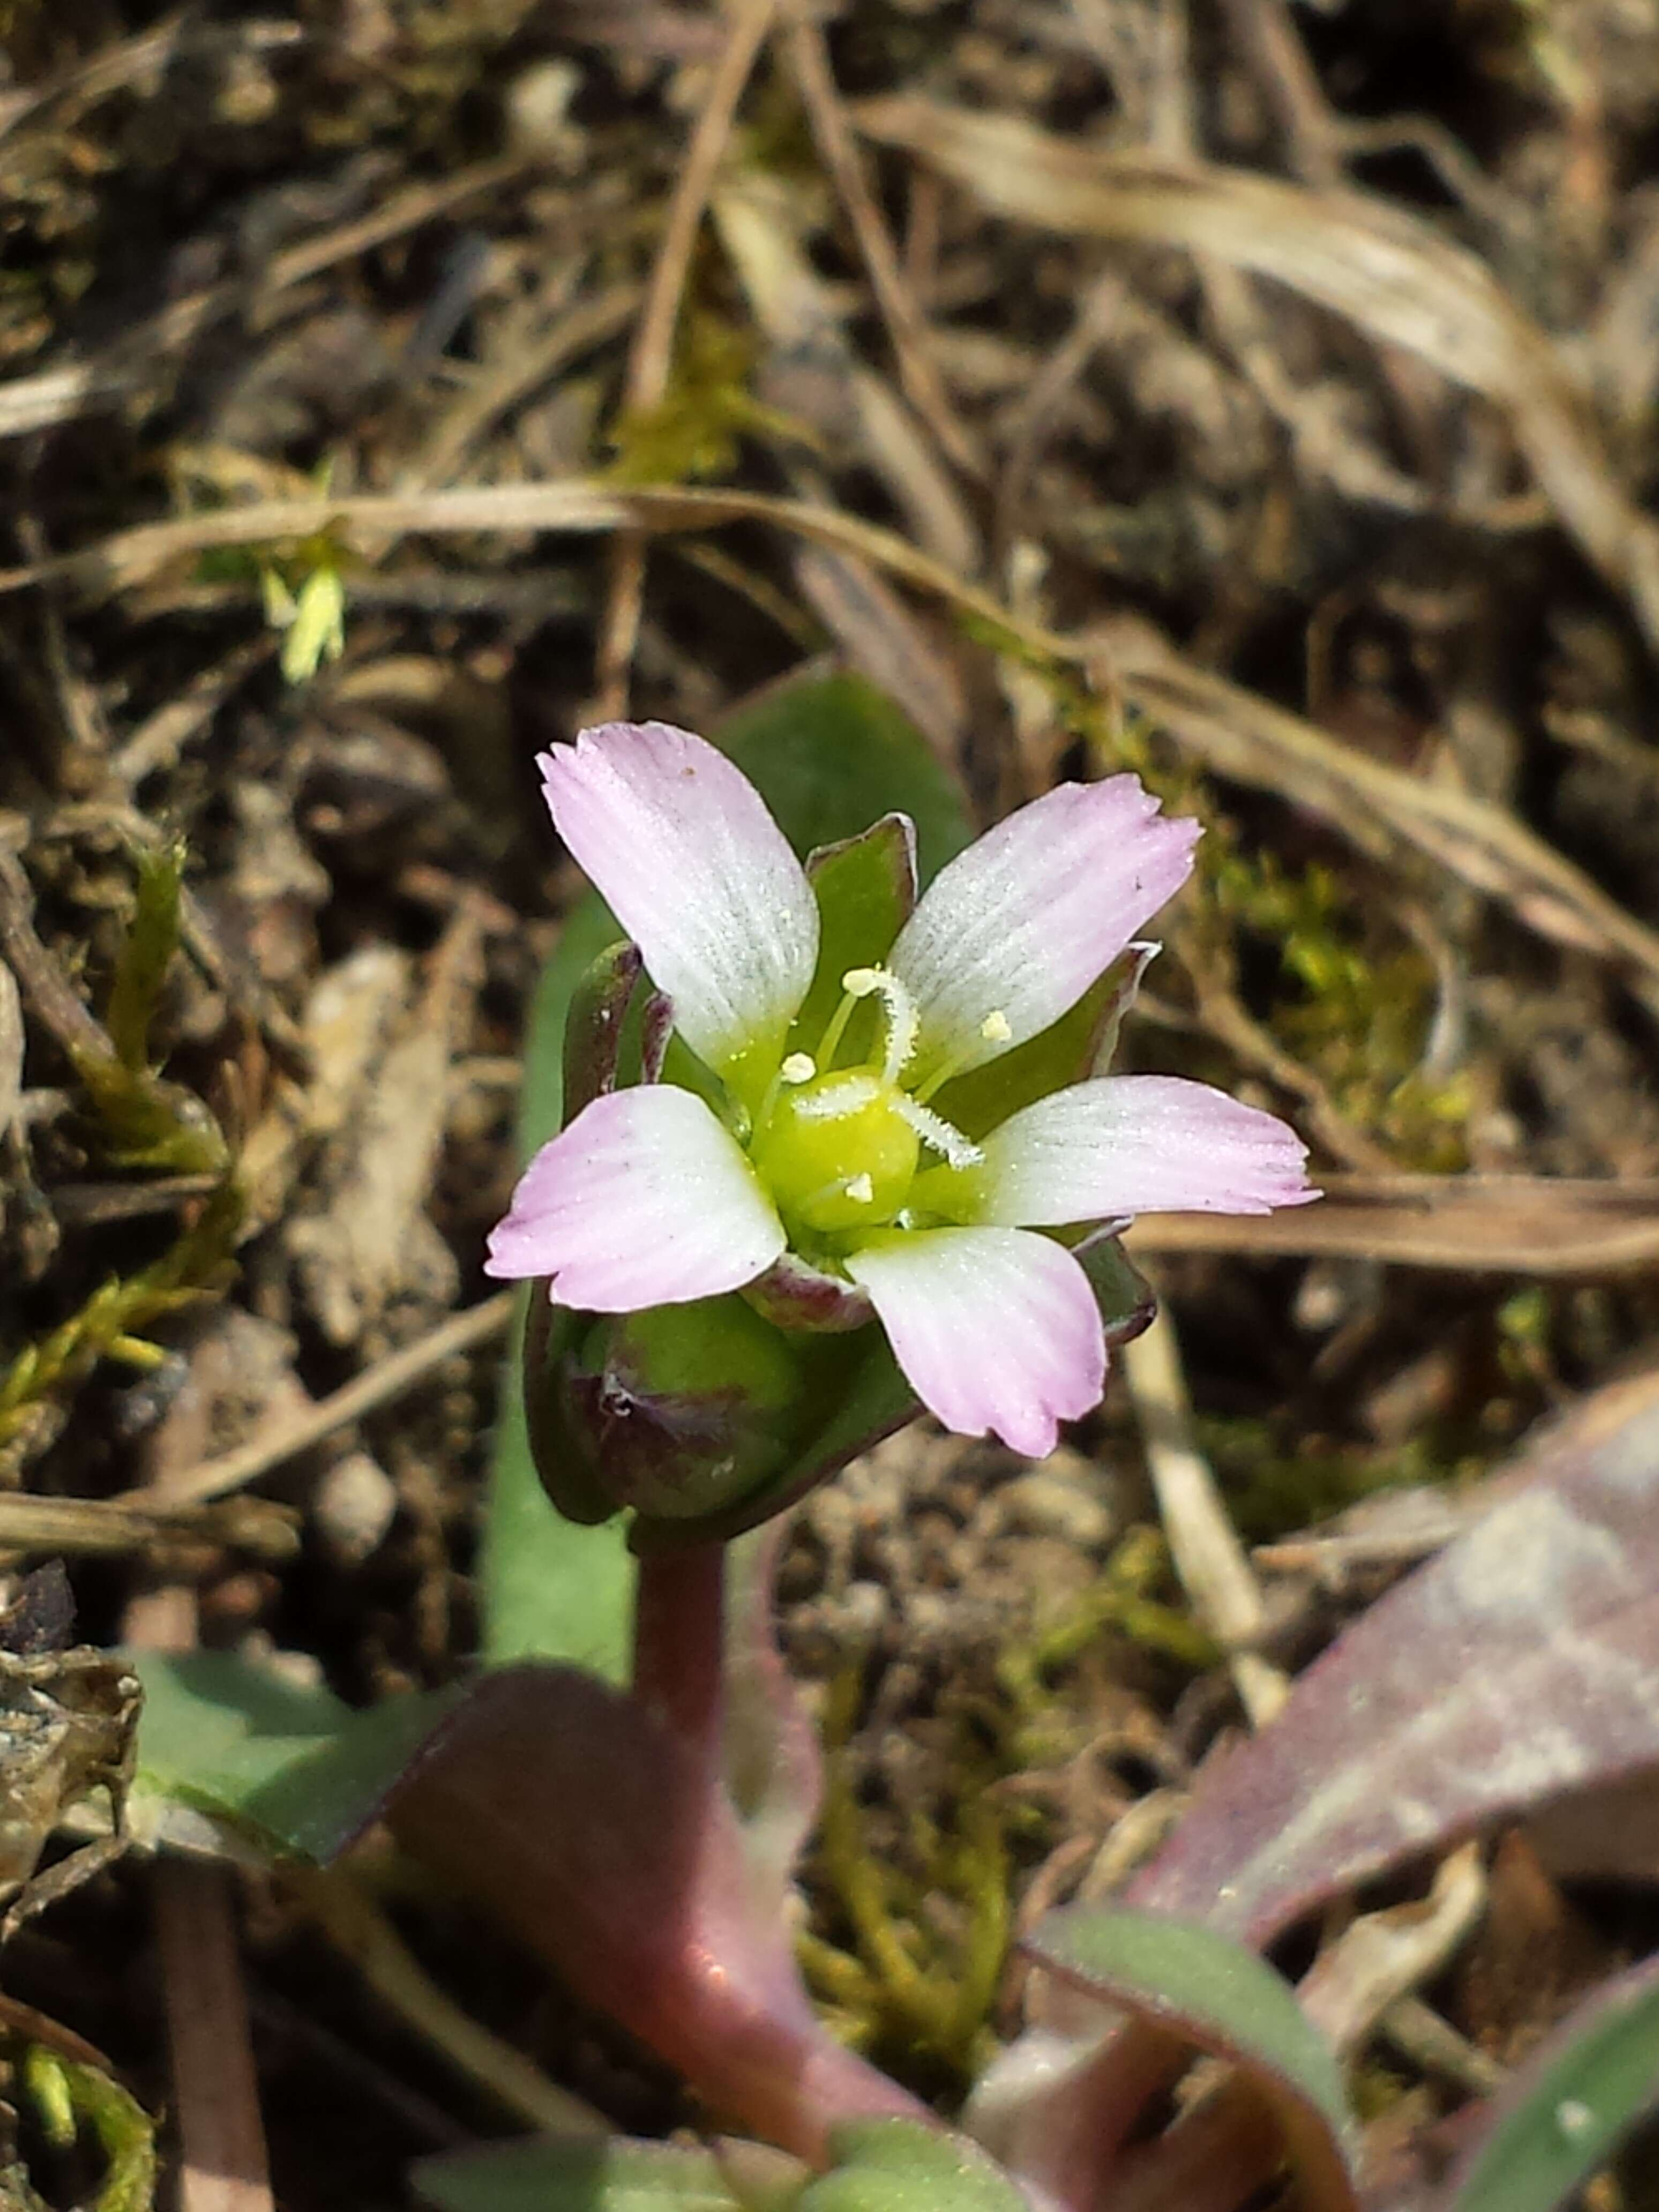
682	1410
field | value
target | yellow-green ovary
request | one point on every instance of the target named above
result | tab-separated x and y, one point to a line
836	1153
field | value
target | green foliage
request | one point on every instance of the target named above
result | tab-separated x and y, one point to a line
140	1122
1358	1018
1577	2100
1274	1485
899	2166
1221	1998
549	2175
110	1322
146	954
301	581
143	1121
295	1770
1126	1598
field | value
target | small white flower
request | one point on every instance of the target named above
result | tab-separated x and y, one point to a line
650	1198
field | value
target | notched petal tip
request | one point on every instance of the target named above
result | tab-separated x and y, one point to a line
1124	1145
997	1330
1021	925
679	843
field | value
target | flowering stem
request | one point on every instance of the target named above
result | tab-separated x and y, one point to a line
738	2021
679	1623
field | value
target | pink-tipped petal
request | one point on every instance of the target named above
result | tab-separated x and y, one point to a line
1022	923
679	843
644	1200
1124	1145
995	1329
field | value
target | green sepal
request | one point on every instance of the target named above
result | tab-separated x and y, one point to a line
679	1411
1079	1044
866	888
562	1463
594	1028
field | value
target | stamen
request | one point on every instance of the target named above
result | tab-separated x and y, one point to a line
902	1019
799	1068
829	1043
934	1129
993	1030
862	1190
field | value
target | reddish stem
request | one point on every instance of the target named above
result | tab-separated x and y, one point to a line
679	1645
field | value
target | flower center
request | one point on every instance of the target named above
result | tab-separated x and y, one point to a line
837	1153
840	1150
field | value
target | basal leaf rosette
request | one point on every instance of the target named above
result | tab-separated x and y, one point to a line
834	1152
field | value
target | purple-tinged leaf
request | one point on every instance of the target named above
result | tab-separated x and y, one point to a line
1056	2108
1520	1664
1217	1997
1566	2111
598	1836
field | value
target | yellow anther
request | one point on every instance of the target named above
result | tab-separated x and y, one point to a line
994	1028
861	1189
862	982
799	1068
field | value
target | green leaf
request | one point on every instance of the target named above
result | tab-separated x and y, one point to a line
899	2166
1565	2114
1222	1999
829	755
297	1768
549	2175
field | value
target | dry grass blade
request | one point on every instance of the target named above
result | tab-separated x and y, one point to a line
87	1527
11	1047
1506	1224
1214	1568
1383	269
809	59
1251	740
376	1386
651	354
224	2167
1234	731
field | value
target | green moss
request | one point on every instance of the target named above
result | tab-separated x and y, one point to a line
928	1937
1274	1488
693	433
142	1122
908	1989
68	2096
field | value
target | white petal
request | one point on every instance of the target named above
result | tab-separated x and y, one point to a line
995	1329
644	1200
679	843
1021	924
1124	1145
